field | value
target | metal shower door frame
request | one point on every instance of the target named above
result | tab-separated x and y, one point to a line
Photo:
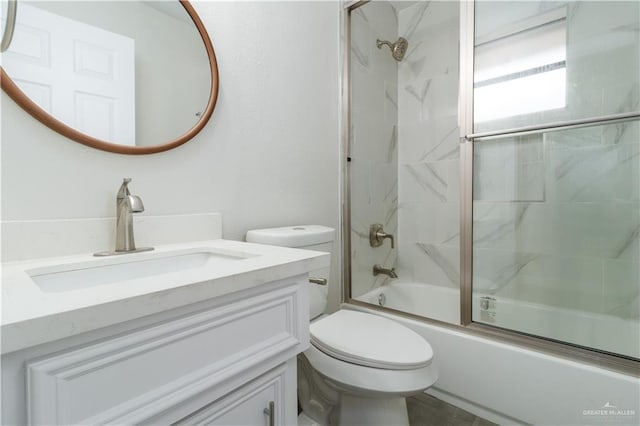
467	140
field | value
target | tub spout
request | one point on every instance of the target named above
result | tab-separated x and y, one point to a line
391	273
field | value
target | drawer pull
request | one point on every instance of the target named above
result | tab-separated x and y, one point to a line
271	412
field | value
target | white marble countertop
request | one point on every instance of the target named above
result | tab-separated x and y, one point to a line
32	316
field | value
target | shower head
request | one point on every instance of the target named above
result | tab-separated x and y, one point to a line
398	49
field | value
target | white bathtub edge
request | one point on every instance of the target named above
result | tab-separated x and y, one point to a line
511	383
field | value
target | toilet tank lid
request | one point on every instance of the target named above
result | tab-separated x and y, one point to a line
292	236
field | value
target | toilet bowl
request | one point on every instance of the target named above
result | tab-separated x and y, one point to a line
359	367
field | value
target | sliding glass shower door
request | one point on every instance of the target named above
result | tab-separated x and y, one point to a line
493	167
556	171
403	164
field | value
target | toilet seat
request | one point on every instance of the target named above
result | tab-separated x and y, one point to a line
370	341
368	381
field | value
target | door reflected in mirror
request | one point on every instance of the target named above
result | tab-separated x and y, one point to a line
138	75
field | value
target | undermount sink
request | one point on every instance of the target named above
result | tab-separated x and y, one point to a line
96	272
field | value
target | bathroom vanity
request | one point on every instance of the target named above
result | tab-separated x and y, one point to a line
203	333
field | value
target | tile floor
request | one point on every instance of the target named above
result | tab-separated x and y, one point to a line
425	410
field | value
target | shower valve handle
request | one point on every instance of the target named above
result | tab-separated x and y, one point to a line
377	235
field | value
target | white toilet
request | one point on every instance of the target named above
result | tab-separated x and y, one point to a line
360	367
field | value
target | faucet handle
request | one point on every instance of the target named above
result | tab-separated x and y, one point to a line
124	189
377	235
383	235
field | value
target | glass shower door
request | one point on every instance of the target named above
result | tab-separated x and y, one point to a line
548	166
403	165
556	171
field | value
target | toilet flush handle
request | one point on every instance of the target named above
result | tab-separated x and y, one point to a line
319	281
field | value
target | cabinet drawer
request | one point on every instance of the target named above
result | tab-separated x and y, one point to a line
136	376
249	405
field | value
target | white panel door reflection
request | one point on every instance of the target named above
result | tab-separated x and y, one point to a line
82	75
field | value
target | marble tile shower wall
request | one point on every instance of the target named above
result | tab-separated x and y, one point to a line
565	231
428	158
374	121
557	215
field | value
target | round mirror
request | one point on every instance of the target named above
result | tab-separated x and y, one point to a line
132	77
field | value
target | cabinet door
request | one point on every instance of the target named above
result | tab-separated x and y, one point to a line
254	403
184	363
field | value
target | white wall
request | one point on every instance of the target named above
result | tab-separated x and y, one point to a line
268	157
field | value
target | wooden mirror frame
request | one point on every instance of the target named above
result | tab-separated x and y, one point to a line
14	92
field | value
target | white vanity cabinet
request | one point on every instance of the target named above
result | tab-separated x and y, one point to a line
262	401
229	360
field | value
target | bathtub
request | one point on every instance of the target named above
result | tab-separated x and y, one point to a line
506	383
440	303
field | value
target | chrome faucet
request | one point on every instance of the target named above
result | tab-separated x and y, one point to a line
126	205
377	270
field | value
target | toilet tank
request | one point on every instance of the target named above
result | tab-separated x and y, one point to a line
308	237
